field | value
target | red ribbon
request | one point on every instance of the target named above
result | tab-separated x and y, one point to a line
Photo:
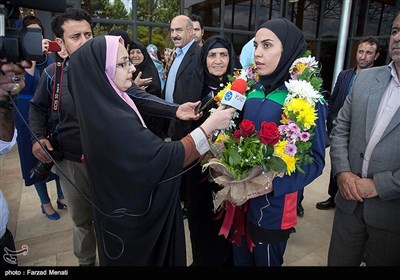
235	216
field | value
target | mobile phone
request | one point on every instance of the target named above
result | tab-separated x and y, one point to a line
53	47
204	102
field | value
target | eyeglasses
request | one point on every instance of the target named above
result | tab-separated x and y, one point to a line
124	64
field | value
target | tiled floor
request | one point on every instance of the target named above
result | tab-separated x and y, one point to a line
50	242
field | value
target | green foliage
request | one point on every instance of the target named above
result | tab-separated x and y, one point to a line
143	10
275	164
303	154
166	10
117	10
97	8
153	10
306	53
104	9
311	75
243	154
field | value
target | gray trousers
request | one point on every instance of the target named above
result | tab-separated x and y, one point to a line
352	237
79	209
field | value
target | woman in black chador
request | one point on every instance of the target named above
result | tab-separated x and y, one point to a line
217	59
132	172
144	64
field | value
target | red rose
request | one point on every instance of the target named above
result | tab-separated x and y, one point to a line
236	134
269	133
247	128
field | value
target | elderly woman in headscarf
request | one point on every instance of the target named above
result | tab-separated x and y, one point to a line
153	52
146	71
217	59
271	218
133	175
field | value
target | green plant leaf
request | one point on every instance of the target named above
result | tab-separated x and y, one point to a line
277	164
234	157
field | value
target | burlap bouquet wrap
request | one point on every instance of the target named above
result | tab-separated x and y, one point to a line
256	183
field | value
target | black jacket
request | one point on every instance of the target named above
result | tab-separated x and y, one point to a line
341	90
183	93
66	125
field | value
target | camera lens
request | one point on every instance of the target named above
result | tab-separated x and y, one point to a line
41	171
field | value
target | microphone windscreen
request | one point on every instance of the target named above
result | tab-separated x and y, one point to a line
239	85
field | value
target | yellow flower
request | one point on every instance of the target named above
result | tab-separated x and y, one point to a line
222	138
221	93
279	150
300	67
303	111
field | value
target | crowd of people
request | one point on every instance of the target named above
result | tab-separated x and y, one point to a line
129	140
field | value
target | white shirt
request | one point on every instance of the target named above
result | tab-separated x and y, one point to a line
200	140
3	214
5	146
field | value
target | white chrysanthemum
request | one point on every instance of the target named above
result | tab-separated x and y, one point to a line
243	74
302	89
309	60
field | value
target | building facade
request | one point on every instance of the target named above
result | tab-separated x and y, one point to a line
238	20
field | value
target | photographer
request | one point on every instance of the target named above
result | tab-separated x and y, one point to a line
72	29
34	172
11	79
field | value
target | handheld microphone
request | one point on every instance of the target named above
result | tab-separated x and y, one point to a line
234	98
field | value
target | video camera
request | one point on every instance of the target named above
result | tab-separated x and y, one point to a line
24	44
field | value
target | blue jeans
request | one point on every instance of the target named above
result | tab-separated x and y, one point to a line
41	189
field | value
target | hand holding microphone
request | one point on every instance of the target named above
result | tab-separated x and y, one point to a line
220	119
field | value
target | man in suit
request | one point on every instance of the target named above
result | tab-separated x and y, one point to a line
178	78
367	52
180	73
366	162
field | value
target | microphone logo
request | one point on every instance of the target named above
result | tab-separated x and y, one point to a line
228	95
234	99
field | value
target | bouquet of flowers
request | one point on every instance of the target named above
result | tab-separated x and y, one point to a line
248	160
247	148
241	159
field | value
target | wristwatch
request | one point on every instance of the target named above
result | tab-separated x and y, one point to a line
8	104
